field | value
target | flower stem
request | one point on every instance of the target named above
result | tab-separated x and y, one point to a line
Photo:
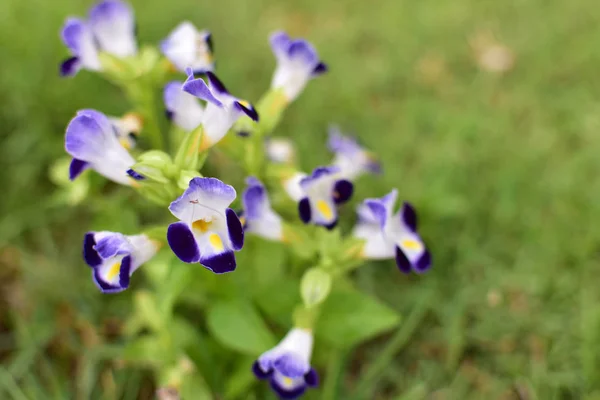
143	96
370	378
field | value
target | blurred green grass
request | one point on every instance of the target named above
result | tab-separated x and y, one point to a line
502	168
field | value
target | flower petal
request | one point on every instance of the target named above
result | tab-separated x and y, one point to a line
184	109
220	263
235	229
311	378
113	24
342	191
199	88
182	242
113	244
90	255
280	43
304	210
402	261
123	277
259	372
284	393
78	37
204	196
423	263
409	216
70	66
76	168
186	47
247	109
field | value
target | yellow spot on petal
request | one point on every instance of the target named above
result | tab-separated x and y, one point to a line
287	381
243	220
201	225
206	143
245	103
411	244
216	242
125	143
113	271
324	209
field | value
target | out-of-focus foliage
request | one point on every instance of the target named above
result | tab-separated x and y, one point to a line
503	167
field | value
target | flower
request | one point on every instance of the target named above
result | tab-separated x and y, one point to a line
110	28
291	185
297	63
91	140
114	257
186	47
287	365
208	232
182	108
259	218
388	235
350	157
127	128
280	150
322	191
222	109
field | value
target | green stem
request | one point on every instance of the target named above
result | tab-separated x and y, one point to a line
370	378
334	372
143	96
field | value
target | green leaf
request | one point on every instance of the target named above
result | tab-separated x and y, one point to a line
240	327
349	317
279	299
240	379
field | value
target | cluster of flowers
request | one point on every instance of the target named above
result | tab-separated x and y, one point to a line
209	232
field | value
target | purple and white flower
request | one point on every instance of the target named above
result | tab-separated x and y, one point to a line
323	190
114	257
209	231
186	47
280	150
110	28
127	128
93	143
287	365
389	235
259	218
352	159
182	108
222	109
297	63
292	187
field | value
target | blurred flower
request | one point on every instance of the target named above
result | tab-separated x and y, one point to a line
322	191
91	140
259	218
209	231
182	108
287	365
388	235
490	54
222	109
186	47
291	185
297	63
350	157
127	128
114	257
280	150
110	28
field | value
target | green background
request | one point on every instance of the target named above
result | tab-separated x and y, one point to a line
503	169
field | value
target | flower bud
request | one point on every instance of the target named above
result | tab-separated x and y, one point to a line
315	287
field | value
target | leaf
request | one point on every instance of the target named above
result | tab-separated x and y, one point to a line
279	299
240	379
240	327
349	317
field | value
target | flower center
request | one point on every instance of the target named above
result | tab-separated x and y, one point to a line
324	209
287	381
113	271
411	244
201	225
216	242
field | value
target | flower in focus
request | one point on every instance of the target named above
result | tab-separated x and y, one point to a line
222	109
297	63
322	191
209	231
110	28
127	128
350	157
287	365
114	257
259	218
186	47
280	150
182	108
91	140
388	235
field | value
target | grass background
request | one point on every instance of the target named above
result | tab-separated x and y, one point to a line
502	168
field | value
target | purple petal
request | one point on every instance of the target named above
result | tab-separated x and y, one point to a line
85	135
258	371
76	168
107	287
209	192
125	272
112	245
90	255
215	84
285	393
402	261
70	66
342	191
220	263
378	210
199	88
182	242
311	378
236	231
409	216
423	263
320	69
113	25
290	365
331	225
135	175
248	110
303	51
304	210
318	173
254	198
280	43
